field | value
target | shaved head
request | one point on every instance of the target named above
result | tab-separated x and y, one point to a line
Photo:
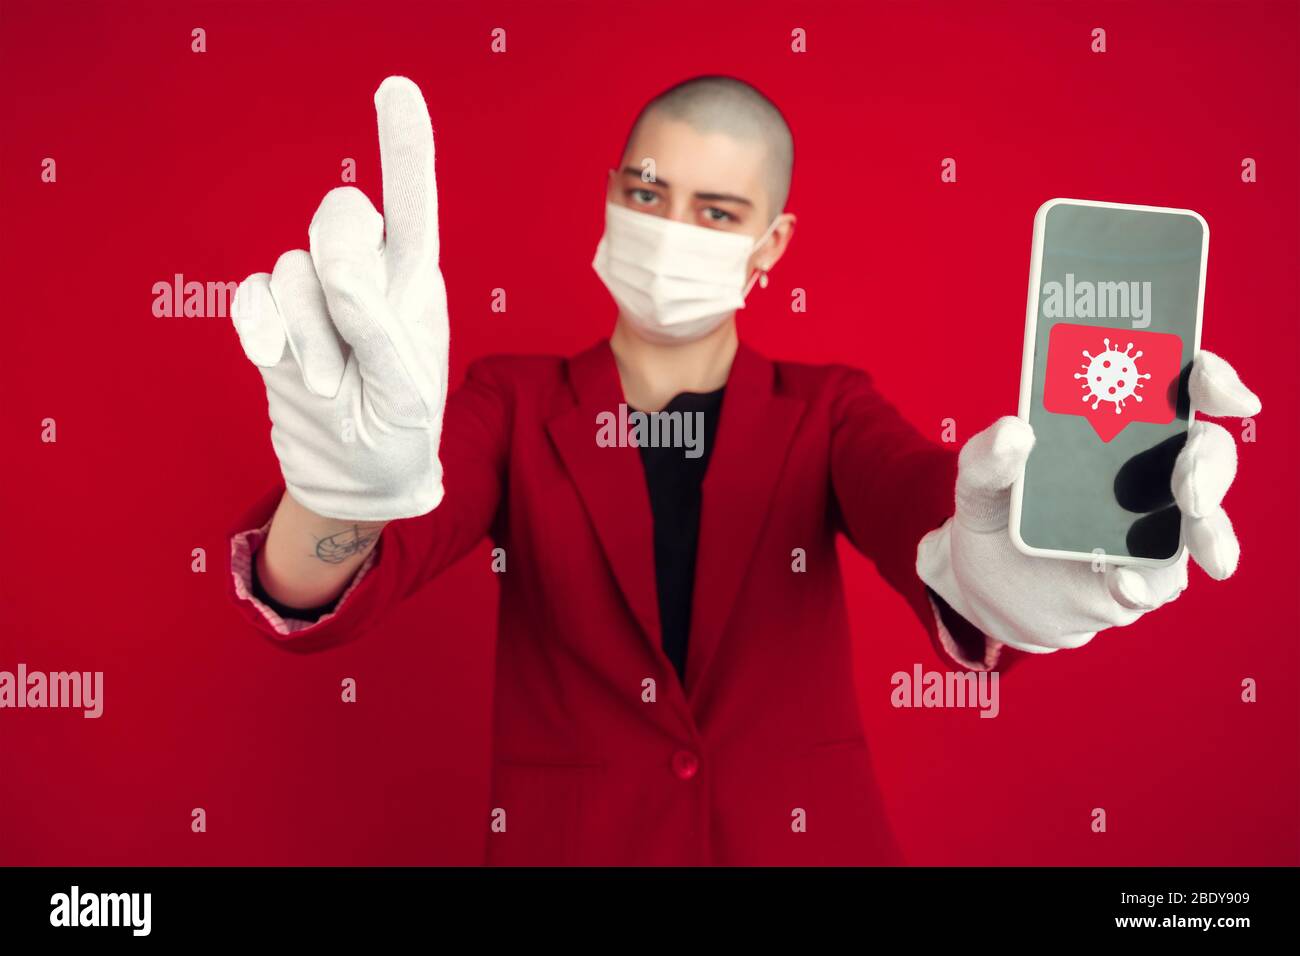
722	104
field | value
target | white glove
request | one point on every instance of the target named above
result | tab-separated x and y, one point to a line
1041	605
356	400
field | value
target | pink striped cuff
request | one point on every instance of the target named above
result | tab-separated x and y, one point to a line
243	548
992	648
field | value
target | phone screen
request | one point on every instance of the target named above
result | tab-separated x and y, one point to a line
1118	304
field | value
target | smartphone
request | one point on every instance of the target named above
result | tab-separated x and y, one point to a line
1112	325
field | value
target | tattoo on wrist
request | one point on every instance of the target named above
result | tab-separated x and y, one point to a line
345	544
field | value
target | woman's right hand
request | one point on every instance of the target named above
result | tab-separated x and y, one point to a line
356	400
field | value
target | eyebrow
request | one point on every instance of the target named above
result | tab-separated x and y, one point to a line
708	197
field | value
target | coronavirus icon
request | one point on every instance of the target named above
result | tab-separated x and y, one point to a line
1122	385
1111	376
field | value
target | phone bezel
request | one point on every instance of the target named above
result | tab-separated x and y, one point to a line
1027	374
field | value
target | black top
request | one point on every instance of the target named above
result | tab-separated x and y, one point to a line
674	481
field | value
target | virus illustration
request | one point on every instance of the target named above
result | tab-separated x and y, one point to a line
1112	376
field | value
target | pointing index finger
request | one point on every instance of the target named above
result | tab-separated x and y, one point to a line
410	191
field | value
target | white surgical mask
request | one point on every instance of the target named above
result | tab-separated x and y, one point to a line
676	281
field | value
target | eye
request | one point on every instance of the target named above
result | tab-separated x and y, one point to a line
643	197
714	214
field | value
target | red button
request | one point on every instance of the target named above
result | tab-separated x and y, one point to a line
685	764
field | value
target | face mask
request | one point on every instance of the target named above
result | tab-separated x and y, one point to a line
676	281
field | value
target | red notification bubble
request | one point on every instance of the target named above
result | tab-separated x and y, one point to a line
1112	376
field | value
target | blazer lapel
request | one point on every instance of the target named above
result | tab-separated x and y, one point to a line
753	437
611	483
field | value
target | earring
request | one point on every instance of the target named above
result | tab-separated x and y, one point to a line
762	278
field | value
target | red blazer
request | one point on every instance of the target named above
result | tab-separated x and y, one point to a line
766	730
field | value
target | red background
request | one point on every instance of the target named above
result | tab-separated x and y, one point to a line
212	164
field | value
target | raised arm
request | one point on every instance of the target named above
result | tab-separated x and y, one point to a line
351	339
